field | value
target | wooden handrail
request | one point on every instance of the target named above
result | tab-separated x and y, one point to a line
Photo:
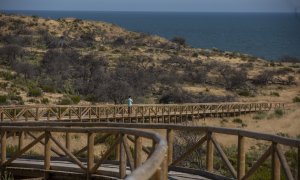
119	112
144	171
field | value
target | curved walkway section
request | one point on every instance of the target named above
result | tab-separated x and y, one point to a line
59	162
179	164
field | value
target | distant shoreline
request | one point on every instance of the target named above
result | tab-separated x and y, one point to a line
266	35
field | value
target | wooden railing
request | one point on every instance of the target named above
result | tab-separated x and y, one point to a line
89	168
166	113
209	140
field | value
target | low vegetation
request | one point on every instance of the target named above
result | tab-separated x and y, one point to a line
100	62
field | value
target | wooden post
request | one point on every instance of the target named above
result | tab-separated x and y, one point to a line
90	163
68	141
138	151
123	161
47	154
157	175
275	163
164	168
117	150
209	153
21	140
170	140
241	158
3	146
298	164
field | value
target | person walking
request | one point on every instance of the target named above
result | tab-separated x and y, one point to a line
130	101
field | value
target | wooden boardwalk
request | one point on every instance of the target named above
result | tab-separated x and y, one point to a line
170	113
133	152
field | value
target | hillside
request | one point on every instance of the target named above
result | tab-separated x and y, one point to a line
69	61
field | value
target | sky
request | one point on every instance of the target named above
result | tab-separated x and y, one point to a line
154	5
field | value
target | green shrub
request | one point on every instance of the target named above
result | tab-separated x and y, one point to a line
32	100
237	120
45	101
65	101
245	93
34	92
14	97
48	88
179	40
283	134
296	99
5	175
278	112
75	99
195	54
3	99
11	149
274	94
260	115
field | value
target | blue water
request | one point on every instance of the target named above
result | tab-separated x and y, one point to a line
265	35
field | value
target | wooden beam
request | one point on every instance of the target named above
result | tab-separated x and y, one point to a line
283	161
145	149
91	141
261	160
43	143
128	153
26	148
98	141
21	140
241	159
138	151
209	153
47	154
170	140
275	163
68	153
189	151
123	161
68	141
105	155
224	157
3	147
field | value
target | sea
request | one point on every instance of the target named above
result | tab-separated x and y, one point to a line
266	35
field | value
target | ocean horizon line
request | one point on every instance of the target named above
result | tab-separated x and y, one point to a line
122	11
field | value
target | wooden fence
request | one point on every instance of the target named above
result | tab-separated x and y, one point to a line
89	168
207	137
170	113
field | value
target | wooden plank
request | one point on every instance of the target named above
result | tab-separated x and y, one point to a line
128	153
138	151
106	154
209	153
68	153
224	158
261	160
241	159
275	163
170	141
26	148
283	161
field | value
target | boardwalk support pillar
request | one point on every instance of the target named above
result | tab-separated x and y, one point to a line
90	163
209	153
241	157
47	154
170	139
275	163
3	147
138	151
123	159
